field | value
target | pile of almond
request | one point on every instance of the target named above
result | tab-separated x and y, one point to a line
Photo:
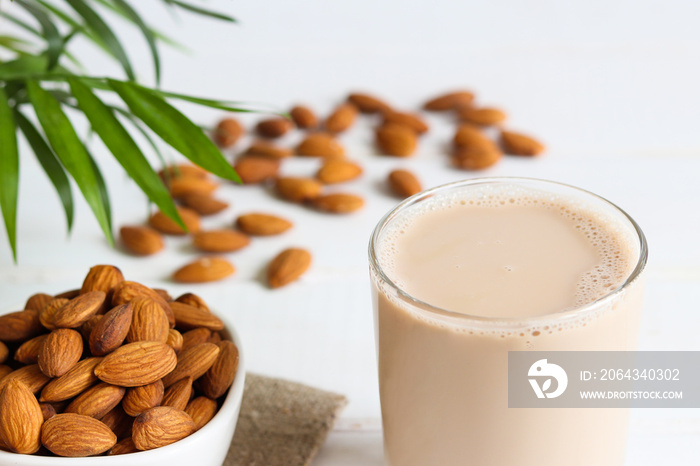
114	367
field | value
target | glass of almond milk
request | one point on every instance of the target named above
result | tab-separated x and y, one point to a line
464	273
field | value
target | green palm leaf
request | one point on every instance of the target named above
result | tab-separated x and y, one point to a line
201	11
49	31
71	152
9	171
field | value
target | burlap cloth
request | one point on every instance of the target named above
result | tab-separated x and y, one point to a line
281	423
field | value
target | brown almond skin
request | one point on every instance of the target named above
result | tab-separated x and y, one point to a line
410	120
138	363
195	337
287	267
5	352
193	300
367	103
123	447
97	401
141	240
30	375
403	183
204	269
267	149
4	370
320	145
178	394
182	169
298	189
256	169
38	301
397	140
20	418
471	136
220	240
341	119
149	321
20	325
180	186
166	225
193	362
520	144
73	382
74	435
128	290
222	373
69	294
203	204
303	117
79	310
201	410
484	116
46	317
28	352
161	426
338	171
174	340
227	132
339	203
102	278
139	399
475	158
189	317
111	330
118	422
449	101
259	224
47	410
274	127
61	351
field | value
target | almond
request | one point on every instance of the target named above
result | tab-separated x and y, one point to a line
139	399
161	426
227	132
367	103
338	171
46	317
259	224
78	310
298	189
475	158
303	117
403	183
449	101
320	145
118	422
195	337
174	340
47	411
193	300
410	120
267	149
126	291
149	322
520	144
204	269
165	224
20	418
220	240
75	435
338	203
61	351
203	204
5	352
30	375
341	119
471	136
141	240
485	116
178	394
4	370
28	352
184	169
274	127
102	278
38	301
395	139
193	362
70	294
183	185
189	317
163	294
123	447
288	266
20	325
97	401
255	169
79	378
138	363
109	332
221	374
201	410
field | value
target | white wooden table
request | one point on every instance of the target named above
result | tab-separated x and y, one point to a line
611	86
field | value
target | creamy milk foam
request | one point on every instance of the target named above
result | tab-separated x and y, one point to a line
510	252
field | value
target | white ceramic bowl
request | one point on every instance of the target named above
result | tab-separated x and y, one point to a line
206	447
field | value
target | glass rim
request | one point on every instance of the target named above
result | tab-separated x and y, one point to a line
509	322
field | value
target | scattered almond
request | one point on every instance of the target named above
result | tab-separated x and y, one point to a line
256	169
259	224
338	203
183	185
61	351
220	240
397	140
475	158
320	145
449	101
274	127
403	183
75	435
338	171
520	144
341	119
303	117
184	169
204	269
228	131
161	426
298	189
484	116
410	120
20	418
368	103
287	267
267	149
141	240
203	204
471	136
165	224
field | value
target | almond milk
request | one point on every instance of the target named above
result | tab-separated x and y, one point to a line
488	268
